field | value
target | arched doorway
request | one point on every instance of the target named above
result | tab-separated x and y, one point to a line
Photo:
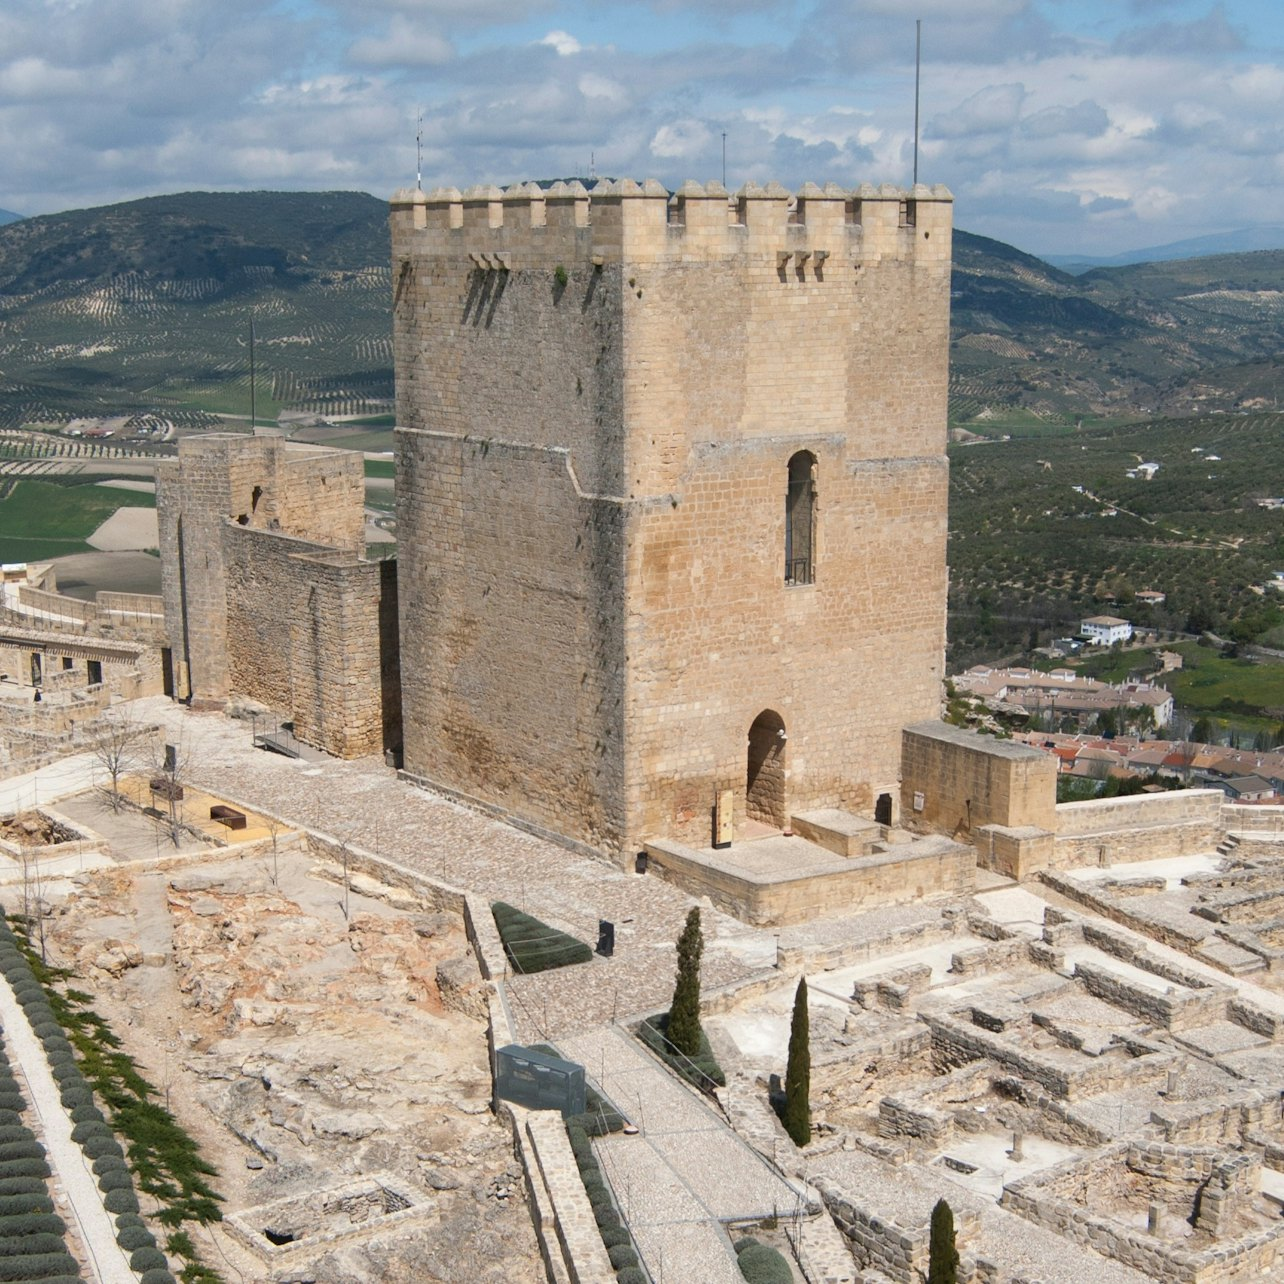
765	779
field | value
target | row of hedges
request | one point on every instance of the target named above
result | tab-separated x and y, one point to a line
600	1117
52	1017
32	1236
533	946
702	1070
615	1235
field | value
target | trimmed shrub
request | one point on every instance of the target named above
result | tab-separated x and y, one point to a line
741	1244
28	1148
66	1071
73	1094
35	1201
156	1277
622	1255
60	1054
87	1114
762	1264
614	1235
109	1164
148	1259
606	1216
631	1275
96	1147
82	1132
120	1201
13	1100
595	1189
28	1245
129	1219
132	1237
30	1266
17	1184
116	1179
9	1117
25	1168
31	1224
533	946
14	1132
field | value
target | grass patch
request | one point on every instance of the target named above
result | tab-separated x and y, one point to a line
380	468
533	946
1216	684
44	519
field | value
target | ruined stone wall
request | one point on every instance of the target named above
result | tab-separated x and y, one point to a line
679	358
956	782
304	637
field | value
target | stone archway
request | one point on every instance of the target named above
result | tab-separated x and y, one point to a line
765	778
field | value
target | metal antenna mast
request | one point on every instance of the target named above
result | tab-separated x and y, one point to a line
253	406
724	158
419	154
918	62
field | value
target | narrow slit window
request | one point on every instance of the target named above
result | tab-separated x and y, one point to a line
800	520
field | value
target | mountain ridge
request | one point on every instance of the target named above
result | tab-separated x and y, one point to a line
142	307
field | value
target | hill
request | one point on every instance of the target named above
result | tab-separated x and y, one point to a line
145	307
1240	241
8	216
1044	532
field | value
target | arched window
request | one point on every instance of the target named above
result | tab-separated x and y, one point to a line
800	520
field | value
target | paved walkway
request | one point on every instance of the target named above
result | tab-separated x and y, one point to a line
72	1171
684	1174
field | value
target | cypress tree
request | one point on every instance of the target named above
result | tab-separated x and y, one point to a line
942	1254
797	1113
684	1014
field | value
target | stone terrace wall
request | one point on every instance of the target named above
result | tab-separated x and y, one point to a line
1144	827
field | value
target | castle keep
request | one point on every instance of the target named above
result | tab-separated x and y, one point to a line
671	489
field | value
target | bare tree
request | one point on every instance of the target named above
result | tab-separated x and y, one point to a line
121	748
169	768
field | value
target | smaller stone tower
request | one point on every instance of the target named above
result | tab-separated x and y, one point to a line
267	594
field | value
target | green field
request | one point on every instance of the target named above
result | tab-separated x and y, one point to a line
1214	684
380	468
40	520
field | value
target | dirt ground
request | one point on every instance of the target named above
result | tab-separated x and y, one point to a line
83	574
308	1035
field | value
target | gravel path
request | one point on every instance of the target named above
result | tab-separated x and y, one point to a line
71	1170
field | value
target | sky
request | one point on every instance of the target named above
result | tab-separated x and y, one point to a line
1061	126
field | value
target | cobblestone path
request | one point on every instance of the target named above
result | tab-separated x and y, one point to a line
684	1173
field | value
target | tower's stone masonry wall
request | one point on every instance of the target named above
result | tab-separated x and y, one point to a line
511	631
591	632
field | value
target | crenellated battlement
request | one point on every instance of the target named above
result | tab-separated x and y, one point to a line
527	226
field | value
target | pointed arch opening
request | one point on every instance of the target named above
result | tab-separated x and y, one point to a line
765	777
800	519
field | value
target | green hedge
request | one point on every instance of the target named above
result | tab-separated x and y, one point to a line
156	1277
606	1216
30	1266
24	1168
30	1244
21	1184
631	1275
762	1264
148	1259
622	1255
702	1069
132	1237
533	946
37	1201
115	1179
120	1201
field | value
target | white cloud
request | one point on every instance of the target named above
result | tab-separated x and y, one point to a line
406	44
681	140
563	42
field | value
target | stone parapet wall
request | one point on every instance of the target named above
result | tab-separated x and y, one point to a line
1238	818
1111	831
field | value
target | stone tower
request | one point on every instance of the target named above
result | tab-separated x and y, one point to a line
671	498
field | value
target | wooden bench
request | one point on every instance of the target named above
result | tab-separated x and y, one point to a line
228	816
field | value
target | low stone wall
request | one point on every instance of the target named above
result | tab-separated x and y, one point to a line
909	872
898	1251
955	1044
1238	818
1044	1199
1174	1010
1108	831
